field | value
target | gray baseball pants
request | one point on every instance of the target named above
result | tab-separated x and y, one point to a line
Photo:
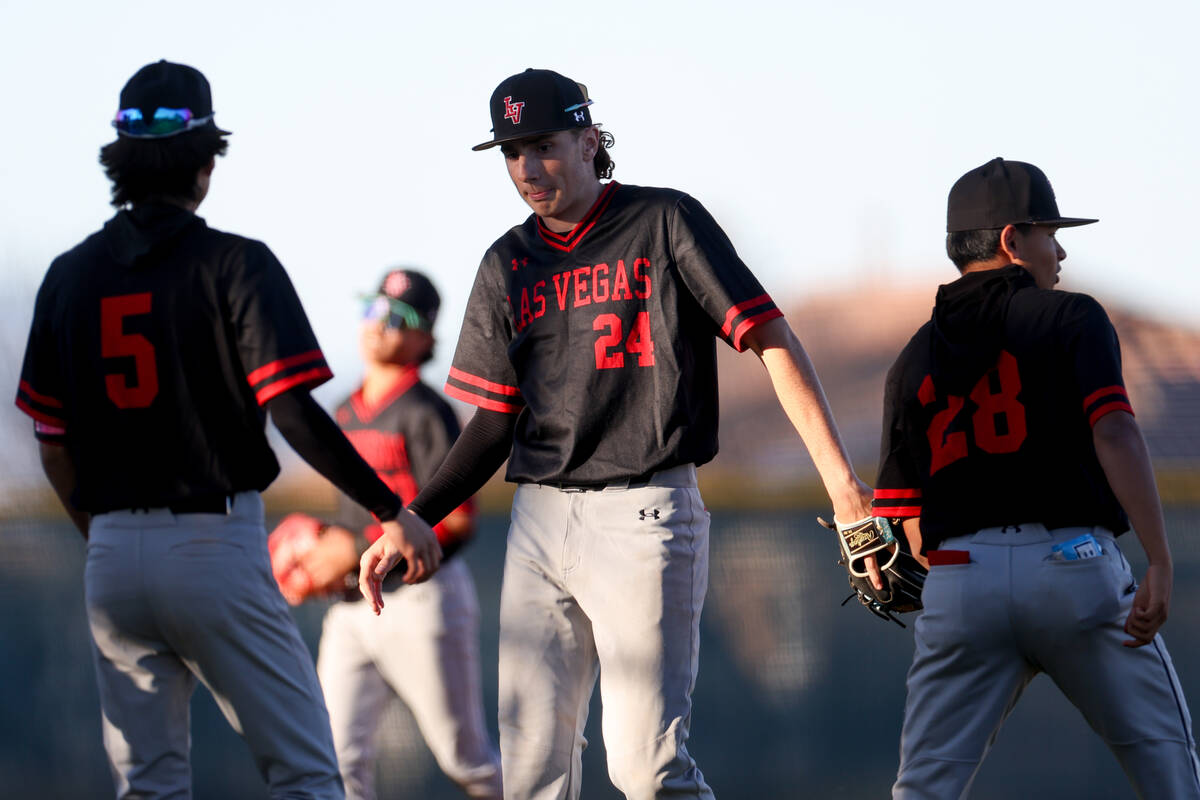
424	648
173	599
606	582
991	625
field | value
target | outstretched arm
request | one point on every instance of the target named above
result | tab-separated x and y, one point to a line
1126	463
479	451
319	441
803	400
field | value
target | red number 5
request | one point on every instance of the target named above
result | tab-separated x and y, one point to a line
115	343
638	343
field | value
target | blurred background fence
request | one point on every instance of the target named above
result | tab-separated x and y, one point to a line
797	697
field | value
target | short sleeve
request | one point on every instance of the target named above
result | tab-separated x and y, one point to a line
481	373
276	344
1094	352
714	274
898	487
41	389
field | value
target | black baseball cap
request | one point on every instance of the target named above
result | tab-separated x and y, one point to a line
1001	193
407	297
534	102
165	99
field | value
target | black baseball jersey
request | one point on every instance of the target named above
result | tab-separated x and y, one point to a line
404	436
988	411
602	339
155	344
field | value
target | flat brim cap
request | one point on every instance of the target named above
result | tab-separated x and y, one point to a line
165	84
1001	193
414	288
536	102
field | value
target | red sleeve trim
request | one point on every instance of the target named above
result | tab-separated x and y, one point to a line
1096	395
40	416
275	367
479	400
312	377
733	313
751	324
1108	408
892	494
45	400
497	388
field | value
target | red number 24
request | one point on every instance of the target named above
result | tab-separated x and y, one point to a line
115	343
638	343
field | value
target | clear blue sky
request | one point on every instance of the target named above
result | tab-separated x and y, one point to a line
823	136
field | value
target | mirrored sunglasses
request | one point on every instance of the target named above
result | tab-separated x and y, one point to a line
165	122
393	313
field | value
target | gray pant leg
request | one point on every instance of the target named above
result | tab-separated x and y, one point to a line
966	677
1131	697
548	664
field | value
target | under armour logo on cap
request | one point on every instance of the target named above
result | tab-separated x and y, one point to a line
396	283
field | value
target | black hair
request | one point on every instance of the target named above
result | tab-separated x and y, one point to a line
147	169
967	247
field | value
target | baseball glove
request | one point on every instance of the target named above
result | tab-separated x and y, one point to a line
903	577
294	536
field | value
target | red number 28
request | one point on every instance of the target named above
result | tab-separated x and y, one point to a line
639	342
991	407
115	343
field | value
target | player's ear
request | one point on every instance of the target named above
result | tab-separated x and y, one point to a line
1010	242
209	167
591	142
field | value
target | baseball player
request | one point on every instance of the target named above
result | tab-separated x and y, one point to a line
426	650
1011	451
588	347
157	347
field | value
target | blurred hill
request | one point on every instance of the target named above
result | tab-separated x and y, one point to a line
853	338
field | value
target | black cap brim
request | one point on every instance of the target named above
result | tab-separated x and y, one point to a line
522	135
1064	222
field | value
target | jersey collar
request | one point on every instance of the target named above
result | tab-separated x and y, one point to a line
367	412
567	242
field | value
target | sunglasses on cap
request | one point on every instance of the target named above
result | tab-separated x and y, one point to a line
165	122
394	314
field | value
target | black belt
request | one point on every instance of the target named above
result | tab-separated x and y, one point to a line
203	504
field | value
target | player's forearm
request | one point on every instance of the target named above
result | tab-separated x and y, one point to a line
482	447
803	400
319	441
1126	462
60	471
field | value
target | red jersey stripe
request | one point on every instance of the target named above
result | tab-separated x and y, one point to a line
1107	408
733	313
751	324
40	416
568	241
1096	395
482	383
45	400
257	376
893	494
480	400
312	376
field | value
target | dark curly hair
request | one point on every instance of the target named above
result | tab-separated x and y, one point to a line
147	169
602	161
